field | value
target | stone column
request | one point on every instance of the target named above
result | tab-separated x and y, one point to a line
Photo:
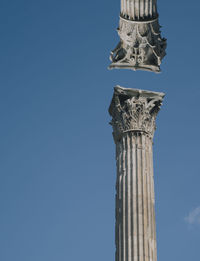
133	120
139	9
141	46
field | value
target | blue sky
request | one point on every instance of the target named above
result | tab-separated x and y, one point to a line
57	180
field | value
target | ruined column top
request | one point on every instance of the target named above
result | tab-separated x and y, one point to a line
137	92
141	46
134	110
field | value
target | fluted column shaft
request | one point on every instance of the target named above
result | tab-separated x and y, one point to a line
133	115
139	9
135	213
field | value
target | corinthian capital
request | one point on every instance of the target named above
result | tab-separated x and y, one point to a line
134	110
141	46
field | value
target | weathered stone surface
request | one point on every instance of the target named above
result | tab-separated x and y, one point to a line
141	46
133	119
134	110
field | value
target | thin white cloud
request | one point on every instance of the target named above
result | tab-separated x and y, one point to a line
193	217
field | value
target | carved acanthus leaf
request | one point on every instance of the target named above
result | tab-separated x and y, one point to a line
141	46
134	111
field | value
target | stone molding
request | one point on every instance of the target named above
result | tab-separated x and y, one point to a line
135	111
